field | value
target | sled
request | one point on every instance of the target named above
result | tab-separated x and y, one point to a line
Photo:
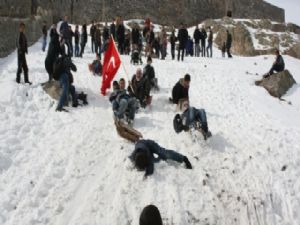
127	132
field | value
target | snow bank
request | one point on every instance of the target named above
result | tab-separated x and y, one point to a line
72	168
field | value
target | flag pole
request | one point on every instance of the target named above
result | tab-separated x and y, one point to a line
124	68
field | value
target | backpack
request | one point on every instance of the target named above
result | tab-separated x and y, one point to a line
58	68
177	123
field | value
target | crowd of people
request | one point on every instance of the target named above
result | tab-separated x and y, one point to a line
127	101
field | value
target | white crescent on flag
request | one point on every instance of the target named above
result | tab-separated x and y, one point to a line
112	62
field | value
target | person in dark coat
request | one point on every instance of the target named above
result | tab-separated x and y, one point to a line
182	38
53	51
112	29
22	48
189	47
64	27
203	42
144	159
151	40
173	40
66	80
197	37
70	41
150	216
44	31
65	33
83	39
209	43
77	38
278	65
92	34
135	35
98	42
228	43
139	88
149	74
105	33
181	89
121	37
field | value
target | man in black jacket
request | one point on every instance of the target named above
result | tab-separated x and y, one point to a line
92	34
149	74
105	33
182	38
278	65
53	51
228	43
44	31
135	35
22	50
113	29
144	159
77	38
173	40
181	89
121	37
209	43
203	42
197	37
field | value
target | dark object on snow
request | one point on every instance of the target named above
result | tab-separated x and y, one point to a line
177	123
283	168
277	84
150	216
82	97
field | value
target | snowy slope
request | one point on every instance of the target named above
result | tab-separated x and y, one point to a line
72	168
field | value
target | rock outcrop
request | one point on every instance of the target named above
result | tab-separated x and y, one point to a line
256	37
53	89
277	84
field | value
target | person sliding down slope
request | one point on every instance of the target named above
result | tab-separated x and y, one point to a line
144	159
191	118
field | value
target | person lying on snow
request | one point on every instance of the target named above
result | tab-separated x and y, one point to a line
181	89
123	104
278	65
191	118
144	159
96	66
139	88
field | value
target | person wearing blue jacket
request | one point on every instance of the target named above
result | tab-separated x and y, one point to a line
144	159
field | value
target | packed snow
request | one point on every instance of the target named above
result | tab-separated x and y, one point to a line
72	168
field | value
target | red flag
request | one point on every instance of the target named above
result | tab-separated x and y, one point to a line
111	65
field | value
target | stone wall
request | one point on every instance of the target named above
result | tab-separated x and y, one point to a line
10	28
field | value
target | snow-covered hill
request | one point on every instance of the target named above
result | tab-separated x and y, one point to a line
72	168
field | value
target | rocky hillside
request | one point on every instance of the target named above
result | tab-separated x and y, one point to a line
257	37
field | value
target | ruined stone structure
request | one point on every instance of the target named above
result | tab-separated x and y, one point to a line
166	11
169	12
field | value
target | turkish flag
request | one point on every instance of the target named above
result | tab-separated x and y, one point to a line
111	65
